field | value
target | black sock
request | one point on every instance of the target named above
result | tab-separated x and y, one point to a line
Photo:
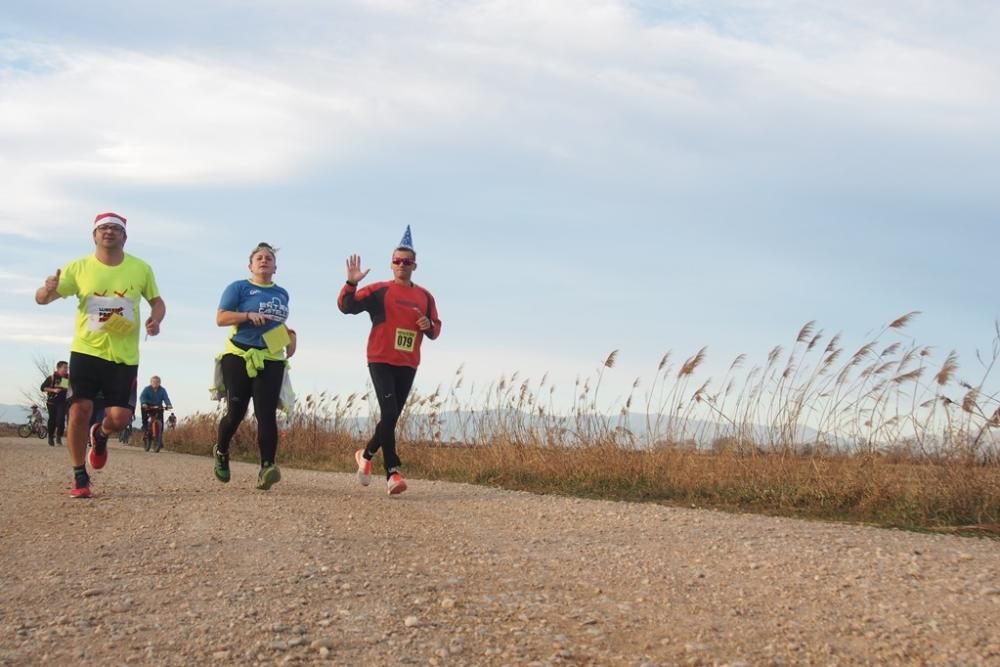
80	473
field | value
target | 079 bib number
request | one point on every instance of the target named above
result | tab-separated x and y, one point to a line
405	340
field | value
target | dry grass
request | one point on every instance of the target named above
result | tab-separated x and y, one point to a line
885	437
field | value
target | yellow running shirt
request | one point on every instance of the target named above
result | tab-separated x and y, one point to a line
107	318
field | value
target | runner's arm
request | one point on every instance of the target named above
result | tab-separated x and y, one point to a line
235	318
352	300
435	329
49	291
158	308
50	386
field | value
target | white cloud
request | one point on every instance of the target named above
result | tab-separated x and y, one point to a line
18	284
128	119
125	116
565	79
40	328
34	338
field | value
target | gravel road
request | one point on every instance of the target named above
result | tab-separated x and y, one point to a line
165	566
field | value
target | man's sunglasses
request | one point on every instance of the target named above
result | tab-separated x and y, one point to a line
402	261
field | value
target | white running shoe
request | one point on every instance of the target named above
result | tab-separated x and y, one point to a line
364	468
395	484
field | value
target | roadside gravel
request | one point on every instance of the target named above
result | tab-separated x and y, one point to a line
166	566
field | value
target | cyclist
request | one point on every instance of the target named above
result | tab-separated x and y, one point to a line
104	354
152	401
126	433
171	422
37	419
402	315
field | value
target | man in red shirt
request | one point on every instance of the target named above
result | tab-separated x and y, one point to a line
402	314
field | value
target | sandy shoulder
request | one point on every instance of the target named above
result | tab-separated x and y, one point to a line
167	566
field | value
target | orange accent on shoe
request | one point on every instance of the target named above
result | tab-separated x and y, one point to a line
97	461
364	467
396	484
80	491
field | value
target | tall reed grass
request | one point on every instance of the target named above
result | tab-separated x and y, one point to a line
880	434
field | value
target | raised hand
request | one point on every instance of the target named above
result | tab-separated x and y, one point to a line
52	282
49	291
354	272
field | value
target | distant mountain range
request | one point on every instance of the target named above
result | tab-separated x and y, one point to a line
464	426
13	414
637	427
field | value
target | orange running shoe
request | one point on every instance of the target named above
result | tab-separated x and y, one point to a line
80	489
98	447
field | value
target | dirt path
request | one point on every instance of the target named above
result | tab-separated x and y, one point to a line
166	566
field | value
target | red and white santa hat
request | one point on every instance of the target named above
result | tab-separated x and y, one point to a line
109	218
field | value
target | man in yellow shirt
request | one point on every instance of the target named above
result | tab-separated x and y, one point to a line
104	355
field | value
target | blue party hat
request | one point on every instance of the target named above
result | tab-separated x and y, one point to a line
407	241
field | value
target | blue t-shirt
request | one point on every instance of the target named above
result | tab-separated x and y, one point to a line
247	296
150	396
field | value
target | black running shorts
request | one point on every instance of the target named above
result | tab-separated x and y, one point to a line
90	375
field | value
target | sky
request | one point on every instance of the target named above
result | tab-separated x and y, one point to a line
579	176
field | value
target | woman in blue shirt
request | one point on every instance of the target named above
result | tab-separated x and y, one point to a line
253	364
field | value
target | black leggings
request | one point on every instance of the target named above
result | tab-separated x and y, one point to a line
57	419
392	385
265	389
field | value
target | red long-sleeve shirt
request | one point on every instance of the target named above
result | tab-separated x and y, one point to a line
394	309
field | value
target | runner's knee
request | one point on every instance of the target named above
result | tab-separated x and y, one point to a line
236	407
81	409
118	419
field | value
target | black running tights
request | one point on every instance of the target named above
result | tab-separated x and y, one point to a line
264	388
392	385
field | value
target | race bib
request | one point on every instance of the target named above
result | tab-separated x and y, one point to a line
118	325
277	339
110	315
405	340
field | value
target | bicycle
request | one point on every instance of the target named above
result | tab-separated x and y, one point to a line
125	434
32	426
152	436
